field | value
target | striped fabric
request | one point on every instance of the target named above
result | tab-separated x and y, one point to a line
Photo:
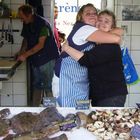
73	83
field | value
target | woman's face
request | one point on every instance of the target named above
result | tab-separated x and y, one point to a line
89	16
104	22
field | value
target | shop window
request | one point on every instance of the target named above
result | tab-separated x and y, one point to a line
68	10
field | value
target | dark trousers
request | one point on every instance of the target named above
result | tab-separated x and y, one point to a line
42	82
115	101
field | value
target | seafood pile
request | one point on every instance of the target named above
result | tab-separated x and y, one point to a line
105	124
38	126
31	126
113	124
3	122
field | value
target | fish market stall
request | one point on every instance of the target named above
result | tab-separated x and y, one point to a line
52	123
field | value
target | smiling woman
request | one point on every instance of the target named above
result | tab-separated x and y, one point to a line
69	9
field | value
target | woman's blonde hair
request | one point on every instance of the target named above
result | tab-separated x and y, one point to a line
81	10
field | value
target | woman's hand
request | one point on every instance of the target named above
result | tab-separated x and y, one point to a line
117	31
75	54
65	46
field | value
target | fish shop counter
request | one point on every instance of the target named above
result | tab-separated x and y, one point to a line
95	124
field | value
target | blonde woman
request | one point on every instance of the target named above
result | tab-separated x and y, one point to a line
73	83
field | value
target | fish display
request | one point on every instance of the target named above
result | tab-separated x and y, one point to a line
104	123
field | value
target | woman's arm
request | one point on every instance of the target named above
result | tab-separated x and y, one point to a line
104	53
117	31
104	37
75	54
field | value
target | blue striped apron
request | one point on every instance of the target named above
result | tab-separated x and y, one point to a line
73	82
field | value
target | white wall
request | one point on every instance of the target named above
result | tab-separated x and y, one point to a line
14	91
133	44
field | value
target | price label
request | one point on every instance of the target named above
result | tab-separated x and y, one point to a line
49	101
83	104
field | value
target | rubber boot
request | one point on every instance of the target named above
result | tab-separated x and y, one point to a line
37	97
49	94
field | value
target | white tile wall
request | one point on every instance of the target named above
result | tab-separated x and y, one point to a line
22	66
136	42
19	88
14	90
124	2
17	38
47	5
7	100
15	1
136	2
15	48
127	42
135	89
136	28
47	11
133	37
6	88
17	24
14	6
5	50
127	101
135	57
119	13
138	68
19	76
20	100
126	25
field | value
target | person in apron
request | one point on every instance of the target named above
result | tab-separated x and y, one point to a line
105	69
73	82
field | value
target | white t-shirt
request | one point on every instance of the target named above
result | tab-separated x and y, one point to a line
82	34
